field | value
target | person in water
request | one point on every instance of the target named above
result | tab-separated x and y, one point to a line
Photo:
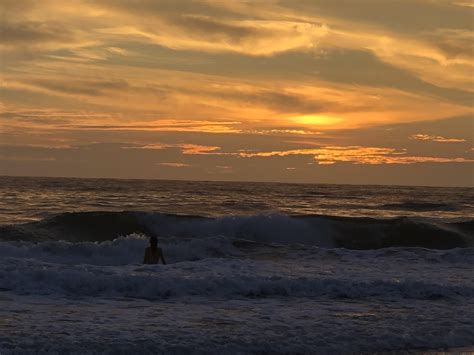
153	254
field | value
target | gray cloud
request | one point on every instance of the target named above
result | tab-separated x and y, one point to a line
164	8
454	44
81	87
403	16
354	67
16	7
33	33
200	25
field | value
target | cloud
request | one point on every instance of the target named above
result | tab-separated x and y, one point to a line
80	120
212	27
199	80
154	146
175	165
33	33
455	44
405	16
196	149
26	159
464	3
81	87
277	100
167	126
440	139
185	148
356	155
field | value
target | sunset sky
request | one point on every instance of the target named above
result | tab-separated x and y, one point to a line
330	91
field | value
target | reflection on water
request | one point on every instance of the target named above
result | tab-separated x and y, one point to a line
24	199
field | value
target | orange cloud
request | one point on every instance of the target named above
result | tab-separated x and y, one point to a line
357	155
175	165
186	148
157	146
200	32
196	149
440	139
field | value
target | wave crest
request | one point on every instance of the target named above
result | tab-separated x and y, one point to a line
312	230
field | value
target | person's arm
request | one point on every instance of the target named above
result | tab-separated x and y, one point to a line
162	257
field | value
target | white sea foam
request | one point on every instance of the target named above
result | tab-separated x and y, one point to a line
130	249
215	267
223	295
120	251
212	277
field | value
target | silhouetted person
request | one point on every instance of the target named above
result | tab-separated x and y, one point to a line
153	254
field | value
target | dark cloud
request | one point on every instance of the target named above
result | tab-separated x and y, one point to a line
81	87
276	100
33	33
285	102
455	44
164	8
16	7
198	26
403	16
364	68
353	67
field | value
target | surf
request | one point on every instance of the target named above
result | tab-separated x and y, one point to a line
312	230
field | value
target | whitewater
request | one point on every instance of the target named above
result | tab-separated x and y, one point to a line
252	268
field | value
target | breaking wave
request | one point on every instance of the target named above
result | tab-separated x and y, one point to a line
210	277
129	250
275	229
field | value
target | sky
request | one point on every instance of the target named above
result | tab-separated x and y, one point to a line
313	91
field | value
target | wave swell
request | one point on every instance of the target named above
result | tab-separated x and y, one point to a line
312	230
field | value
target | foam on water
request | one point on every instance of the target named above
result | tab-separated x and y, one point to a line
211	277
129	250
219	266
120	251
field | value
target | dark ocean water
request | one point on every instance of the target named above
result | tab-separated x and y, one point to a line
25	199
322	215
252	267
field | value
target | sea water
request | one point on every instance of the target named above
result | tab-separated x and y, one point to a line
251	267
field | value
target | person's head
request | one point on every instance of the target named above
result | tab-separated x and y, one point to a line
153	242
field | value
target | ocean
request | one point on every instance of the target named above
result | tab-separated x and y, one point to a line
251	267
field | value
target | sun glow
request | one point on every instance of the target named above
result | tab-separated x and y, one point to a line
317	120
